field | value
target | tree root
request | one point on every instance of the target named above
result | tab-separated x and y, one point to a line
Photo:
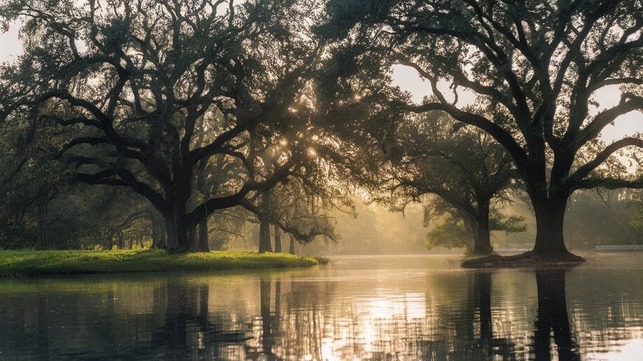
529	259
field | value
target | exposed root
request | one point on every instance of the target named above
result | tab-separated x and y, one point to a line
529	259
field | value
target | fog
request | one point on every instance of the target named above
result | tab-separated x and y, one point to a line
594	218
376	230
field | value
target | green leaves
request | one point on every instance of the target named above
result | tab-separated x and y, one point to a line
30	263
451	233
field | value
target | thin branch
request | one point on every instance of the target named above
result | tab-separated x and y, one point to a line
601	157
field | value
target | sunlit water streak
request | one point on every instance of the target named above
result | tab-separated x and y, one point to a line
356	308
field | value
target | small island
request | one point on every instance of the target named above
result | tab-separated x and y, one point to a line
40	263
530	259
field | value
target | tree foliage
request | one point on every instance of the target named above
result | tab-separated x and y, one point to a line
158	91
604	217
205	106
465	168
535	69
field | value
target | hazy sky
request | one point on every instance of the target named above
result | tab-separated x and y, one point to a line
408	79
10	46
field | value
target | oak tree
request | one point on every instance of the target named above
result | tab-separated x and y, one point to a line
157	90
536	70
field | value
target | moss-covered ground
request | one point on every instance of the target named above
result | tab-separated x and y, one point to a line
33	263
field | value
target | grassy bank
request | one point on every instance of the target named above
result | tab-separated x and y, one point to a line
32	263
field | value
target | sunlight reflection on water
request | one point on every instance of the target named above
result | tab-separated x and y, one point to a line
383	307
629	351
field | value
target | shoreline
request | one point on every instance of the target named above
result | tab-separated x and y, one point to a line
26	263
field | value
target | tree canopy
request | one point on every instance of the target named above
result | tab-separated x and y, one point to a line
156	90
202	106
535	69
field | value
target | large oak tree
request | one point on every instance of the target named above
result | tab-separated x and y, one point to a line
536	69
161	91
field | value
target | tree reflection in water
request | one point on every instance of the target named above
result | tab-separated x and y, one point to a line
553	318
265	327
463	331
189	330
305	322
472	322
472	315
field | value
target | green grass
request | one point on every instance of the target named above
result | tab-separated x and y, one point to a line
32	263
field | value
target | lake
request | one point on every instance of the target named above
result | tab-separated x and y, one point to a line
355	308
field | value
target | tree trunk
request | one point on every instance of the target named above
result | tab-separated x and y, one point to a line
264	235
277	239
550	244
193	243
158	233
291	249
471	227
42	226
131	240
181	230
482	238
121	240
171	229
550	215
177	233
203	244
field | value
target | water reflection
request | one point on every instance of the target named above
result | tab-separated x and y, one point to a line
552	318
476	323
334	314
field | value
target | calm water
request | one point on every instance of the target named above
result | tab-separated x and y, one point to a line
356	308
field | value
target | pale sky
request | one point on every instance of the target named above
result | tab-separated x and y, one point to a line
10	45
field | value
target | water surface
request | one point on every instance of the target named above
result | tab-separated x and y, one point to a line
355	308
